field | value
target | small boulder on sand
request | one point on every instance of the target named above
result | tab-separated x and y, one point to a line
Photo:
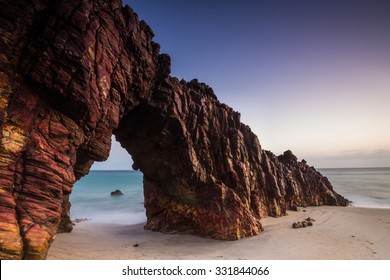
305	223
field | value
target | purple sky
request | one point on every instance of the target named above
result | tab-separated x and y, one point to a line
310	76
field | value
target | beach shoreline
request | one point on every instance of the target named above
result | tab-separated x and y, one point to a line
338	233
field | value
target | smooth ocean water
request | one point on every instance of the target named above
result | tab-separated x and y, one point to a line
91	197
365	187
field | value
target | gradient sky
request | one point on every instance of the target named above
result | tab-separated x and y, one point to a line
310	76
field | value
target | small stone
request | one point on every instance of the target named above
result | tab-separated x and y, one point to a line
136	245
294	207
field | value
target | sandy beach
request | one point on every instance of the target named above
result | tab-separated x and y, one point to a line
338	233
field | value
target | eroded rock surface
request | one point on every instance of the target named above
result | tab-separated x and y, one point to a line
74	72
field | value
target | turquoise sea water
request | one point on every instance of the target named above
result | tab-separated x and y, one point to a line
91	197
366	187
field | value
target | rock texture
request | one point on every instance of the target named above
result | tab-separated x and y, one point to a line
74	72
205	172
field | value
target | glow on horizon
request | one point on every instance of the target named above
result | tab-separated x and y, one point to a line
312	77
323	115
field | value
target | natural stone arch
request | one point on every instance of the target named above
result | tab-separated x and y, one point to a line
205	172
74	72
182	168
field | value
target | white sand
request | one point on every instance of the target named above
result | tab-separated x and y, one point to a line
338	233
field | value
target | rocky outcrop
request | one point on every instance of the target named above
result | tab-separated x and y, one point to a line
74	72
205	172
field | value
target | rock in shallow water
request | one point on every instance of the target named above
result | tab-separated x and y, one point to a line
117	193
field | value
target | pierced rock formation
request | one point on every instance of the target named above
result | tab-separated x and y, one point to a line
74	72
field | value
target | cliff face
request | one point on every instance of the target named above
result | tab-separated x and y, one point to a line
72	73
205	172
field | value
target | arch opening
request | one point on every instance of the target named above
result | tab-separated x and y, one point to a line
91	197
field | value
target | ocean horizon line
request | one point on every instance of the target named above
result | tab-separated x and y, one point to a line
319	168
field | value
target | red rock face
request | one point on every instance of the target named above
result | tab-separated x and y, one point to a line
72	73
205	172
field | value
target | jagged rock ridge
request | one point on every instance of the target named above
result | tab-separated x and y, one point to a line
74	72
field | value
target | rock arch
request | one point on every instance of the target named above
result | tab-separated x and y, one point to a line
72	73
185	165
